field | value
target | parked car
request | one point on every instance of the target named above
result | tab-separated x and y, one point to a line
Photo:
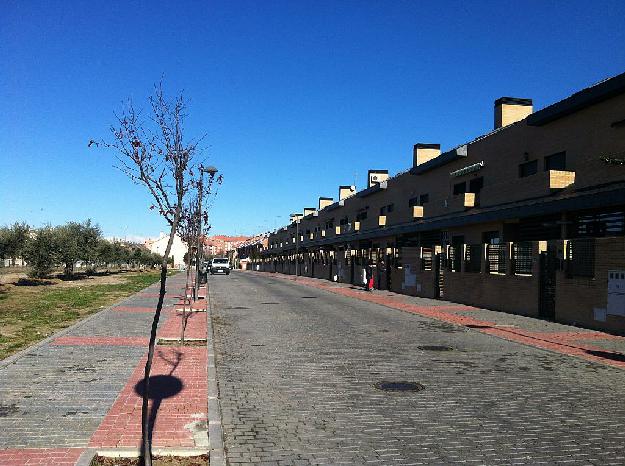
220	265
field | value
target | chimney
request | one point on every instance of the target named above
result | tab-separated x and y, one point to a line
309	210
346	191
376	177
325	202
509	110
422	153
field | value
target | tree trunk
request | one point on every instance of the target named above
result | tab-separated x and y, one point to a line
183	323
146	446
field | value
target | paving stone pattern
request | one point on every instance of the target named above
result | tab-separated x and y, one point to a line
297	368
57	394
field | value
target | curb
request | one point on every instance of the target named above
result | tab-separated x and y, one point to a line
215	428
87	456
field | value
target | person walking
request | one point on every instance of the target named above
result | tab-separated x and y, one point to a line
369	276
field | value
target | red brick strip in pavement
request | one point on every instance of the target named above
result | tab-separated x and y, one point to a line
41	456
196	326
121	426
559	342
101	341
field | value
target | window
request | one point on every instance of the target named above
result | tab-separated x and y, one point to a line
496	256
424	199
556	161
330	224
344	221
476	185
383	210
528	168
460	188
522	258
390	208
413	201
362	215
473	258
426	259
581	258
490	237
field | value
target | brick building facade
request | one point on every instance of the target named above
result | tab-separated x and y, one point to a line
529	218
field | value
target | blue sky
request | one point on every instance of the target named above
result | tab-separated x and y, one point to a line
296	97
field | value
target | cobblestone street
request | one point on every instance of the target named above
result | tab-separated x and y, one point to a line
297	368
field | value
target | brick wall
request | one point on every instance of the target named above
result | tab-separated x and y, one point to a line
577	297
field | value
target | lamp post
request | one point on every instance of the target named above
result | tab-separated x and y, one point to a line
297	218
211	171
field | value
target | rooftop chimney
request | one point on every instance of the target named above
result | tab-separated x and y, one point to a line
422	153
376	177
325	202
509	110
346	191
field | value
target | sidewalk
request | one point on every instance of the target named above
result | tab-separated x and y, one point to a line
591	345
75	393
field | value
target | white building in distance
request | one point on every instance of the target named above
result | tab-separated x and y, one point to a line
178	248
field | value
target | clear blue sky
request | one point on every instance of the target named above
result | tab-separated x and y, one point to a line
296	97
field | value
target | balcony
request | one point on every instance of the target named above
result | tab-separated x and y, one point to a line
469	200
560	179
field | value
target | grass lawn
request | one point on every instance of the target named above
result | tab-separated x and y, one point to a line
29	313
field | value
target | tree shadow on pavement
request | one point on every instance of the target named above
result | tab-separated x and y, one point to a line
612	356
159	388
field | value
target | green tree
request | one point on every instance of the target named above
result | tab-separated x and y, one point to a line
13	241
41	252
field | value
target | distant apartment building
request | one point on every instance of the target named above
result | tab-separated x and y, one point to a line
222	244
528	218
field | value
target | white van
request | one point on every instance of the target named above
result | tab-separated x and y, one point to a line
220	265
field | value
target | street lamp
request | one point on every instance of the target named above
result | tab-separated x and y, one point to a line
297	218
211	171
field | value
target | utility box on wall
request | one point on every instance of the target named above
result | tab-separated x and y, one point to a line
616	292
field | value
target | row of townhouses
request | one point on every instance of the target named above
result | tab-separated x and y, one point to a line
528	219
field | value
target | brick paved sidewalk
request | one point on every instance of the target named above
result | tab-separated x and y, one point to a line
587	344
77	390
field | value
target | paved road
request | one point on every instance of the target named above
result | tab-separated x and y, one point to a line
297	368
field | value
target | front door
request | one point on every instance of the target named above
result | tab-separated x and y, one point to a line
547	294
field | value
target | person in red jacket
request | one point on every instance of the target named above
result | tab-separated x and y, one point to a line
369	276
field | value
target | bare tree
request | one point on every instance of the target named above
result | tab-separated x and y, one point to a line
188	229
157	154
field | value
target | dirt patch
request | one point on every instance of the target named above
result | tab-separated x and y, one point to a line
11	277
192	342
201	460
93	280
